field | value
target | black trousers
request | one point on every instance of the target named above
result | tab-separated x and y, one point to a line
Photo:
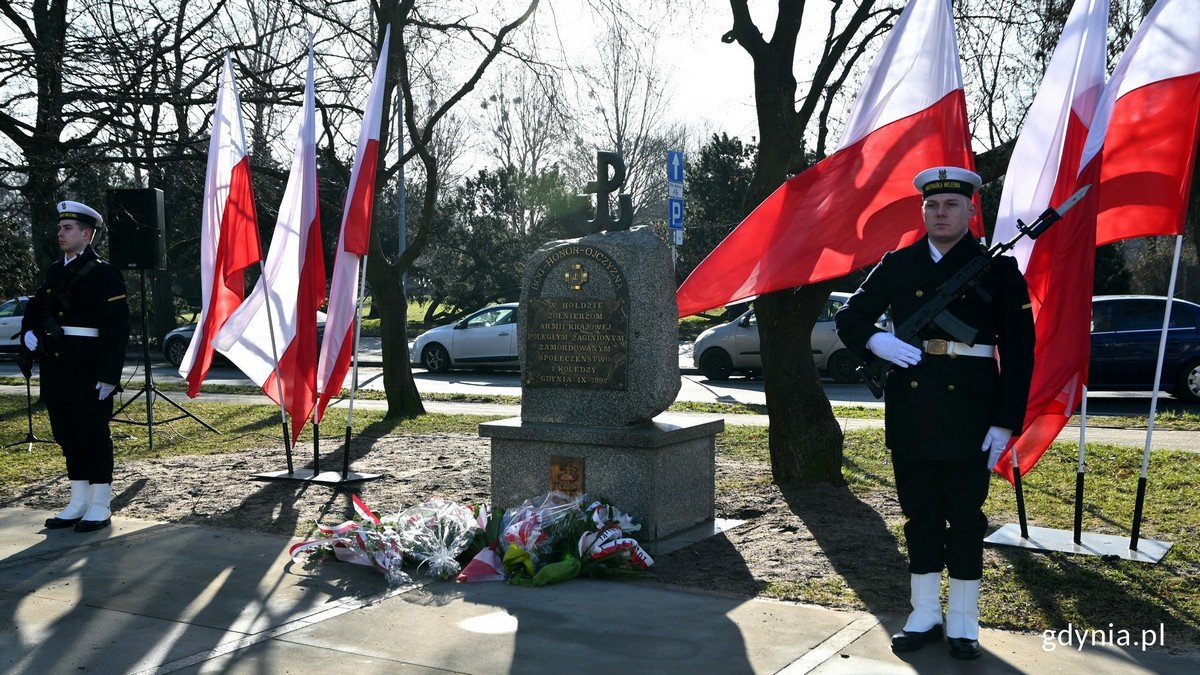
943	504
81	429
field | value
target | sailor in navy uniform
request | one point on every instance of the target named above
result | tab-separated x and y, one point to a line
945	401
77	326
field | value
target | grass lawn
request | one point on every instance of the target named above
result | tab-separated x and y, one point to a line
240	425
1035	591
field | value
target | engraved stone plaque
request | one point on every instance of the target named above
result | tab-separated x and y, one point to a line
576	339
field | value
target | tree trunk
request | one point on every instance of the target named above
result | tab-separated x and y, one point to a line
40	192
805	438
403	400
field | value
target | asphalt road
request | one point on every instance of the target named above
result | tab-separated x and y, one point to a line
694	387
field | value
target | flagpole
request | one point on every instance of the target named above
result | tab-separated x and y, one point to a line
1162	348
358	307
1016	469
316	438
1080	469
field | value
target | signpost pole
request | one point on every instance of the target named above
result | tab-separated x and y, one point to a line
675	166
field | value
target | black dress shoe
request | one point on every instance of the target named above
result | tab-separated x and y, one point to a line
964	648
92	525
909	641
60	523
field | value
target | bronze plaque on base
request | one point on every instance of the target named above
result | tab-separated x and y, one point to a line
566	475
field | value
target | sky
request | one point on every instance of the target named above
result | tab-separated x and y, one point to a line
710	84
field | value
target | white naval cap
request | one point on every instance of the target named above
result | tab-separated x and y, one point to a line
68	210
942	179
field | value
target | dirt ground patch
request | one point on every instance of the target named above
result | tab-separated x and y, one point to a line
818	544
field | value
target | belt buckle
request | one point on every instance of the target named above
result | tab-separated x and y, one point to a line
937	347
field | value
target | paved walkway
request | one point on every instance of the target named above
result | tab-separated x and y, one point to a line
155	597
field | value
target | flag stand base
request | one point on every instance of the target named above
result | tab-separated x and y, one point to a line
1045	540
323	478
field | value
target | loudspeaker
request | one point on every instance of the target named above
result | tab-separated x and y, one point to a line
136	229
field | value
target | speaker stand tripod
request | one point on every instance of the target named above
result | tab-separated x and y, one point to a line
30	437
148	387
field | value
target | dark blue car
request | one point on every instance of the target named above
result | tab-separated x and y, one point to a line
1125	337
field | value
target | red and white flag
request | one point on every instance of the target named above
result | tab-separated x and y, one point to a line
1146	127
293	284
228	230
1058	265
353	243
852	207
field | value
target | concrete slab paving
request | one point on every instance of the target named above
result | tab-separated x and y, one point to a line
45	635
584	626
27	538
1003	652
159	598
270	657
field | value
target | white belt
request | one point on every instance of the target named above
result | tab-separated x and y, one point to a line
951	348
78	331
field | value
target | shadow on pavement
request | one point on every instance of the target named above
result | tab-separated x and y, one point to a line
857	542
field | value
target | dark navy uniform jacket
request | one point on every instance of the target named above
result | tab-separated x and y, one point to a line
941	408
70	366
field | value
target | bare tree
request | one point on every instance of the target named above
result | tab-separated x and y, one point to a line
438	54
623	107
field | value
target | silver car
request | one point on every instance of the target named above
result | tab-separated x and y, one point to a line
488	337
733	347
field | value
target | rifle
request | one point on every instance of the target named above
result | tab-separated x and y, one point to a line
935	312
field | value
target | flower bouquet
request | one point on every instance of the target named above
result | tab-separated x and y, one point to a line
435	533
554	538
366	541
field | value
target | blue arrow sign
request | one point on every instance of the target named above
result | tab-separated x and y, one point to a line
675	166
675	214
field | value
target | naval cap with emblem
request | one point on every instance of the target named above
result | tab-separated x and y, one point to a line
943	179
77	211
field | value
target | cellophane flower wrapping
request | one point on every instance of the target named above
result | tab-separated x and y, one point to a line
536	526
556	537
435	533
366	540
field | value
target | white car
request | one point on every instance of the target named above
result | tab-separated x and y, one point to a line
487	337
11	313
733	347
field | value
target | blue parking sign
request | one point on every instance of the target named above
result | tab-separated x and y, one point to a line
675	214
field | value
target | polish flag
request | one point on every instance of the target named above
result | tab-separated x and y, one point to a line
355	237
852	207
1058	265
1146	127
1138	156
294	288
228	230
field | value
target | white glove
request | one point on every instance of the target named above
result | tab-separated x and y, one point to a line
30	340
105	389
891	348
994	443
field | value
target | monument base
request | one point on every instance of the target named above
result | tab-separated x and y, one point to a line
663	472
